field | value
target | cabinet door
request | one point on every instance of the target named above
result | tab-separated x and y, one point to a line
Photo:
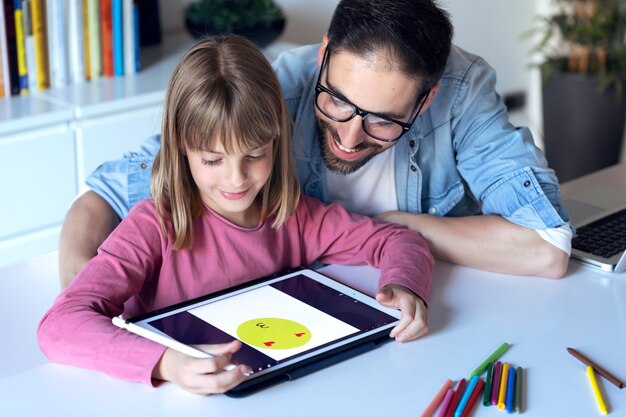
38	183
106	138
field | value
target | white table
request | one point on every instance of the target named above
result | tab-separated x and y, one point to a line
472	312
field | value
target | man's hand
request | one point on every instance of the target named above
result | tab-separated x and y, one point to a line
414	314
88	223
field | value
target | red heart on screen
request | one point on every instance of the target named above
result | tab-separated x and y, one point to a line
299	334
269	343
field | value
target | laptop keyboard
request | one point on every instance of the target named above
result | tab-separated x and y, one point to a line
605	237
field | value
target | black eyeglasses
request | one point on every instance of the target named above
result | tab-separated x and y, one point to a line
340	109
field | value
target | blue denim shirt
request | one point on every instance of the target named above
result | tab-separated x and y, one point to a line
462	157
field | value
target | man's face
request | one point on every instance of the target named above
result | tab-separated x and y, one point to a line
373	85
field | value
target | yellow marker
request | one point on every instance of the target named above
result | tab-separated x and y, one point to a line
596	390
503	383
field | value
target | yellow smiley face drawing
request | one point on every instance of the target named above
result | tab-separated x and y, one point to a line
273	333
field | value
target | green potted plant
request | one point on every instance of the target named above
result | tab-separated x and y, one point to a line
582	50
261	21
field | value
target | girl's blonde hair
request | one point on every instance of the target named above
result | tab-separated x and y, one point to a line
223	91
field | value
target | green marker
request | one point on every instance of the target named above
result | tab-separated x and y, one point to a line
495	355
488	382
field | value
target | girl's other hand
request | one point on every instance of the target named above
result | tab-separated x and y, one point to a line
202	376
414	313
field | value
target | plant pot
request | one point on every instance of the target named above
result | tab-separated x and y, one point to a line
583	129
261	35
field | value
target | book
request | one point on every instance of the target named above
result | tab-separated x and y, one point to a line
4	64
128	16
106	28
29	44
95	46
11	47
38	17
75	41
57	42
22	67
118	37
86	52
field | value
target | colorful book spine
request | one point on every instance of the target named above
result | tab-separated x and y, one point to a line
86	39
41	44
95	47
136	37
106	27
4	64
76	48
11	50
22	67
57	42
129	37
29	44
118	37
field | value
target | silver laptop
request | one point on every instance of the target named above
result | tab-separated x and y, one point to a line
599	215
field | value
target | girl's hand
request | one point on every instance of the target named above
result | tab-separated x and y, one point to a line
202	376
414	314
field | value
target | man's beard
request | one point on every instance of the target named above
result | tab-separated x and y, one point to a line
332	161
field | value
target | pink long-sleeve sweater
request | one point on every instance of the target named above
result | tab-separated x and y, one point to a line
136	271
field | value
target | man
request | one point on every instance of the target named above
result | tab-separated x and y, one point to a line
392	121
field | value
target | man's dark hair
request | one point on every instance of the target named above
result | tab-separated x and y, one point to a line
417	34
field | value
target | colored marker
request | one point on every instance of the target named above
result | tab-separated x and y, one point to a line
503	385
456	398
519	393
612	379
473	398
495	355
466	396
510	391
437	400
596	390
495	383
488	382
445	403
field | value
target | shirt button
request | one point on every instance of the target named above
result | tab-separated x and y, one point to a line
412	143
144	165
527	183
413	168
432	210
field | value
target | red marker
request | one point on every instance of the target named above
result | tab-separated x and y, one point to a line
457	397
473	398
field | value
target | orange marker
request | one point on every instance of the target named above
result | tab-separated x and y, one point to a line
437	400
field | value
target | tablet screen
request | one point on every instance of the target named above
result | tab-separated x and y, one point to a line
277	322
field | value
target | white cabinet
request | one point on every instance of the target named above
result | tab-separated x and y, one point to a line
37	177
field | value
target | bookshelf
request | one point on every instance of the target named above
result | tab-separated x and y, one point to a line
50	141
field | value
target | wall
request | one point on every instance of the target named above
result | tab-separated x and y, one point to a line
490	28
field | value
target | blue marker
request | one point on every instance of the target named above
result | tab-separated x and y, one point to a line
466	396
510	391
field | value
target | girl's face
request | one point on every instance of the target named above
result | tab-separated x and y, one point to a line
229	183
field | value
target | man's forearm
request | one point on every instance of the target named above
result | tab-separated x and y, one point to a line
486	242
87	224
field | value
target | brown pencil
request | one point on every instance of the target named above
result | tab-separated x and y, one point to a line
614	380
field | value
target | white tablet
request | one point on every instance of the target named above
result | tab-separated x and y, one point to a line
290	324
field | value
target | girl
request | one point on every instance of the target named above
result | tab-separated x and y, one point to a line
226	209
